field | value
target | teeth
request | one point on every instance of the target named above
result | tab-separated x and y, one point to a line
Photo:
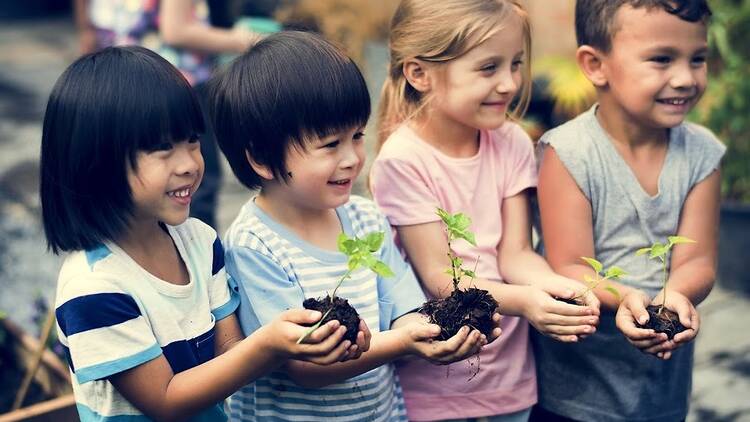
180	193
675	101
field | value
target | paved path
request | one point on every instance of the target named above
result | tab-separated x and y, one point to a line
34	53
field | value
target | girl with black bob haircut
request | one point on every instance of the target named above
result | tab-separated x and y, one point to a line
143	304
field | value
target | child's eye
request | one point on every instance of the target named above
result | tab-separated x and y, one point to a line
194	138
359	135
488	68
661	59
516	65
332	144
699	60
164	146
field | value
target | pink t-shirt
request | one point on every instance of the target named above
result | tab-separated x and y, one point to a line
410	179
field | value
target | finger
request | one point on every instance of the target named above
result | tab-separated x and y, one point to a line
422	332
301	316
656	344
322	332
665	346
563	339
559	291
454	343
638	310
338	354
588	320
685	336
327	345
567	330
569	310
496	332
469	347
684	311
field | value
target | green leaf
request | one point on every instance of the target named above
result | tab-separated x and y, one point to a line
642	251
461	222
467	236
382	269
614	272
658	250
593	263
675	240
374	241
470	273
613	291
448	271
354	262
345	244
445	216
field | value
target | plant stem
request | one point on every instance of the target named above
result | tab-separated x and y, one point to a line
664	285
343	277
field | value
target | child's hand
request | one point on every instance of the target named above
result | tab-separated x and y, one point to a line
633	308
418	339
562	321
685	310
323	346
496	330
363	342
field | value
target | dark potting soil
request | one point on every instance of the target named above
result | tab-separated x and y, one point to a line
668	322
342	311
471	307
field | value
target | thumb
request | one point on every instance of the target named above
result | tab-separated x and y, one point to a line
301	316
558	291
421	332
638	309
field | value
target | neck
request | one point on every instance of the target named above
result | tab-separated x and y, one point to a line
450	137
622	128
305	222
143	238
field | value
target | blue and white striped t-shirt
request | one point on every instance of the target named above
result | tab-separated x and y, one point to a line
113	315
275	271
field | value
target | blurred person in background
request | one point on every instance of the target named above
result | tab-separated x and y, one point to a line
180	31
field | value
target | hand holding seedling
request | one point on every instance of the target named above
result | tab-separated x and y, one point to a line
360	253
323	346
418	338
660	325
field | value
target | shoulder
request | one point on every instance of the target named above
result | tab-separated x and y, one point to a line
511	138
89	273
364	211
248	231
699	139
403	144
571	134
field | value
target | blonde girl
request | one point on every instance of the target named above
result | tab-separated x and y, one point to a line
459	69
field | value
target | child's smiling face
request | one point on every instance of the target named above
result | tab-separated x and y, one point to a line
322	175
656	69
164	181
476	89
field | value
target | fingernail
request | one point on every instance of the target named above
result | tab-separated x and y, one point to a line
642	320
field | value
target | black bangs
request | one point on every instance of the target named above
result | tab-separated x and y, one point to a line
287	88
103	109
688	10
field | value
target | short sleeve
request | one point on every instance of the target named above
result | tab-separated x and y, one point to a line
264	287
523	173
402	193
401	293
705	152
570	152
104	329
224	299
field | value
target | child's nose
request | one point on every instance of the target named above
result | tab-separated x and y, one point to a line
350	157
189	158
683	77
506	83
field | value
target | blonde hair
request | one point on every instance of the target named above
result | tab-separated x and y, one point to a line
439	31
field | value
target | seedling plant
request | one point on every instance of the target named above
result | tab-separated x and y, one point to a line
360	253
601	275
471	307
661	319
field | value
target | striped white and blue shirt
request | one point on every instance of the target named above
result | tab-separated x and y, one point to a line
275	271
113	315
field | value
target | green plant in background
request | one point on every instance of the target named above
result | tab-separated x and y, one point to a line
457	227
725	108
612	273
360	253
661	251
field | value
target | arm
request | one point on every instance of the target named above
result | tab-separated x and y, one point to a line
86	33
566	227
409	335
162	395
177	27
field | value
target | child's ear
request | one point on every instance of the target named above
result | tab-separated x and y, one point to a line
590	62
416	75
260	169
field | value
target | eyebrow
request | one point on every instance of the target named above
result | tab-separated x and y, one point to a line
673	51
499	57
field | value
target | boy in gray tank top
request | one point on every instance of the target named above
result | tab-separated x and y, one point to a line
621	176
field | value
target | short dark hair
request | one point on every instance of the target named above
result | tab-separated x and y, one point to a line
289	87
595	19
103	109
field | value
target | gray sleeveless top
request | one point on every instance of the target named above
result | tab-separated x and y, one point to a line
604	378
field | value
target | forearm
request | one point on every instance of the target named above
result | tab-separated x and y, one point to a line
384	347
202	37
200	387
693	279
